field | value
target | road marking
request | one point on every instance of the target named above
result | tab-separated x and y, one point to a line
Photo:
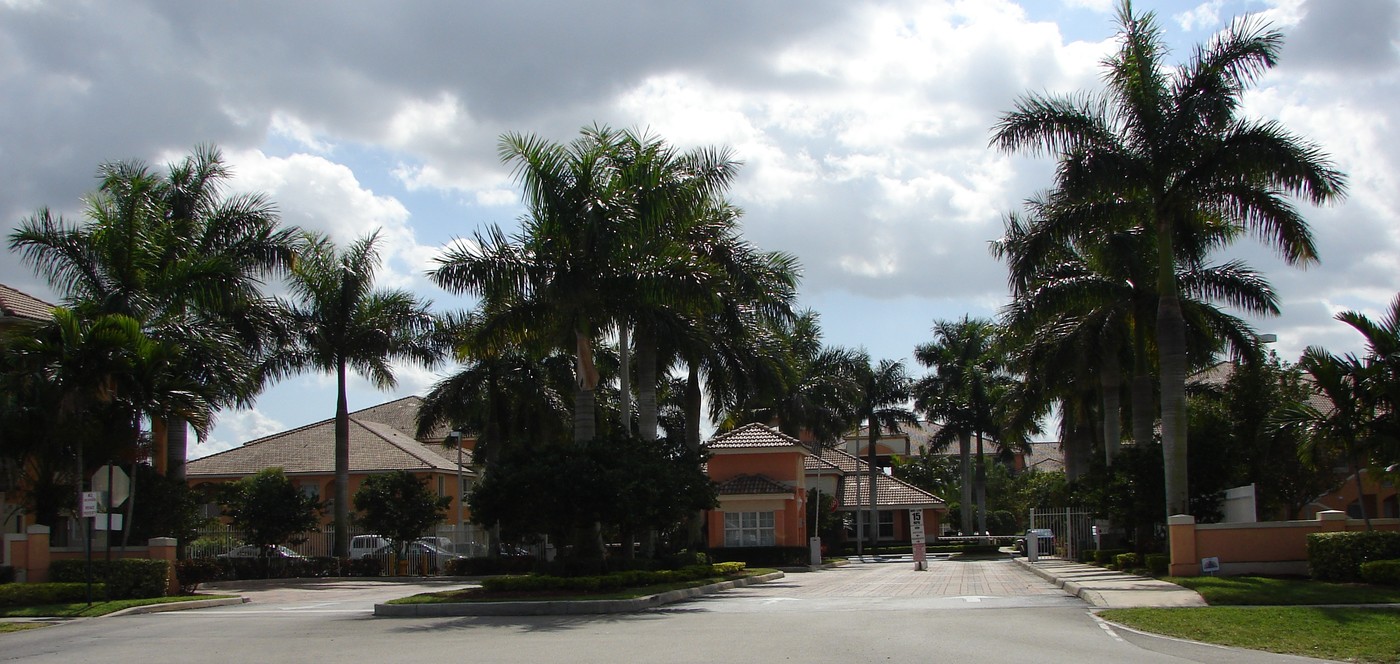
972	598
775	600
308	606
1109	629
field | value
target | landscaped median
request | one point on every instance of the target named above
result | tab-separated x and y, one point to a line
620	592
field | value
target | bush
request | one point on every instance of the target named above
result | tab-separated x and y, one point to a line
190	573
1338	556
608	582
7	574
1381	572
489	566
1158	564
686	558
130	578
1106	556
36	594
764	556
1126	561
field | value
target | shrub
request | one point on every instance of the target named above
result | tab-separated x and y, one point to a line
7	574
608	582
1106	556
190	573
1127	561
130	578
764	556
488	566
35	594
364	566
686	558
1158	564
1338	556
1381	572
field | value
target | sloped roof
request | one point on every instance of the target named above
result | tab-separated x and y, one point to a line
1045	456
890	493
21	305
753	436
375	446
752	484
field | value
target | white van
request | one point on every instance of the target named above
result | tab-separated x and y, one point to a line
362	546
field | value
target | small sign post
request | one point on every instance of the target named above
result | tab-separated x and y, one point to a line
92	501
916	534
1210	566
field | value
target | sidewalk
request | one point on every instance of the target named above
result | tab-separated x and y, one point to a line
1107	589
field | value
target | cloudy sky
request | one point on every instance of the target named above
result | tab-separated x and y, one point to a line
863	127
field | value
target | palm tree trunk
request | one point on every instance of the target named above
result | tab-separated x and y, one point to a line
646	384
341	518
981	487
177	439
624	377
1171	344
1111	379
872	459
585	420
695	527
965	466
1144	410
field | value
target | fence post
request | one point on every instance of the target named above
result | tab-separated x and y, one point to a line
1182	536
1332	521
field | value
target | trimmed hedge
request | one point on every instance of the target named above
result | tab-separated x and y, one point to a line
1381	572
1127	561
38	594
130	578
608	582
1339	556
764	556
488	566
1106	556
190	573
1158	564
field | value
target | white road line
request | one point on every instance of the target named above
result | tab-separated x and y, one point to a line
1108	628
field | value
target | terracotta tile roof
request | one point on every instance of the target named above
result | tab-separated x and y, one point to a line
402	414
17	304
752	436
818	464
752	484
890	493
374	446
1046	456
843	460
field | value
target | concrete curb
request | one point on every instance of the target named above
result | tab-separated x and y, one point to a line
178	606
1101	593
546	608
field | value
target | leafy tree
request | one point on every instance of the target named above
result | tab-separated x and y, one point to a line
884	389
1164	149
338	321
269	510
400	507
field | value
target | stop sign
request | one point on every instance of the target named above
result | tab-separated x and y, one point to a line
114	481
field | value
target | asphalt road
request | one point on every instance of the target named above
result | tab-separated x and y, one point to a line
977	612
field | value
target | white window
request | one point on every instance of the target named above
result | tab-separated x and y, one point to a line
749	529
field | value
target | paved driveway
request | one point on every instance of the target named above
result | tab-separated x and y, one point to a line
894	586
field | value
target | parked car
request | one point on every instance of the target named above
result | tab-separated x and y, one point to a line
421	556
1044	537
249	551
364	546
440	542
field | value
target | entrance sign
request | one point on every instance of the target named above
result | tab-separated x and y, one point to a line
916	534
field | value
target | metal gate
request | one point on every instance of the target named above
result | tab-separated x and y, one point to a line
1072	529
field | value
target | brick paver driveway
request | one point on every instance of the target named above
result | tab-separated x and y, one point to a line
896	585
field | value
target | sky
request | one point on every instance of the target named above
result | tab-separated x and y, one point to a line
864	130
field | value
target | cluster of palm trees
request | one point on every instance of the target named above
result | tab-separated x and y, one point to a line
165	319
1111	270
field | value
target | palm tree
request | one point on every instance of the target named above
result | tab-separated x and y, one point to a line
558	278
815	391
1345	423
338	322
187	262
884	391
963	396
1163	149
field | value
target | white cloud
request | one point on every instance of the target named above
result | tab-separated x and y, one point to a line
236	427
1205	15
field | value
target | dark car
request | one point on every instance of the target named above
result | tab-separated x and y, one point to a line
421	556
250	551
1044	536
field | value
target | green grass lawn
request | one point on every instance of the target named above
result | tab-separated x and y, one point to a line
20	627
480	595
1261	591
1340	633
83	610
1264	614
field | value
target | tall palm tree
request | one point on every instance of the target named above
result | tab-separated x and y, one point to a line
1163	148
962	396
814	393
338	321
559	277
185	260
884	391
1345	422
